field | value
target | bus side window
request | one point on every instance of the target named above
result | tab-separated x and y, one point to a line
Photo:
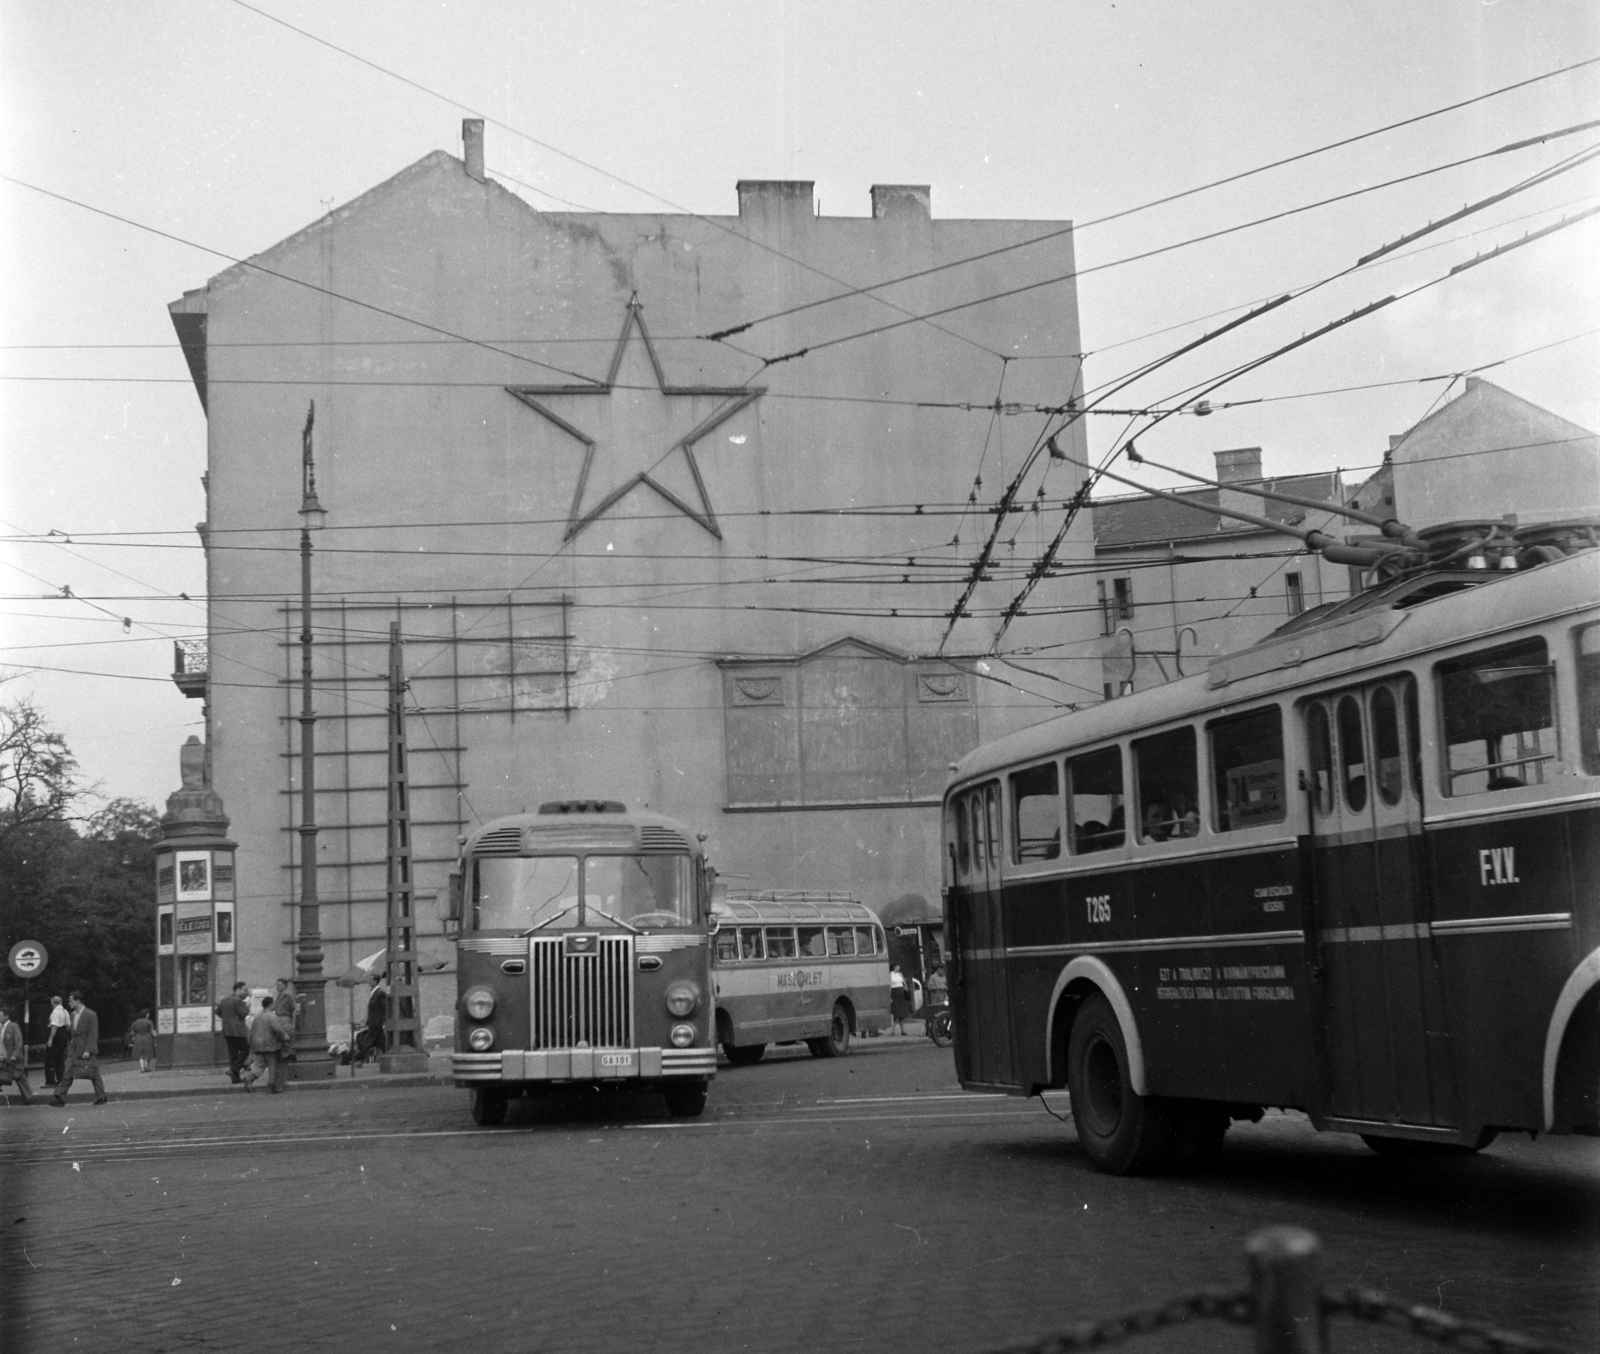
1247	763
812	945
1168	784
1499	718
727	945
1352	754
780	942
1320	738
841	940
991	804
1036	813
1095	782
958	811
1413	734
1589	696
750	946
864	943
1386	745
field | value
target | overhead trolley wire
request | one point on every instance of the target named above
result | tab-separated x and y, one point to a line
821	344
1078	227
593	168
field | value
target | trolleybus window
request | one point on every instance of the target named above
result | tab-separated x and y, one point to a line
1499	718
1095	780
812	945
963	838
1352	754
523	892
1386	745
750	944
841	940
780	942
1414	736
1247	763
1589	696
1036	814
727	945
1169	788
868	941
1320	737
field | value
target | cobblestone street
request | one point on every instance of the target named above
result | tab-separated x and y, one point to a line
859	1203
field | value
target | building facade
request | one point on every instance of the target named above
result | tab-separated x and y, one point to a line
1179	585
663	508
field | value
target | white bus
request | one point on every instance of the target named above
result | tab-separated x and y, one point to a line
793	965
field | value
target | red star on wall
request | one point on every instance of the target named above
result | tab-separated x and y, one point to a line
638	420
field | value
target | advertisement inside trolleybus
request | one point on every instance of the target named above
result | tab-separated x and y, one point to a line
583	957
796	966
1352	871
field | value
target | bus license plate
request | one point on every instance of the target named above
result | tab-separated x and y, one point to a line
616	1060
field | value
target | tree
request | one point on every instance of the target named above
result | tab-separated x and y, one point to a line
88	896
38	775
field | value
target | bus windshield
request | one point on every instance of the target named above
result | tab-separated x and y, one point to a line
525	893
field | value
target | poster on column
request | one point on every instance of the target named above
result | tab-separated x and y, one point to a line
194	876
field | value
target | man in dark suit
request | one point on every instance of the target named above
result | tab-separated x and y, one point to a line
14	1055
83	1054
234	1012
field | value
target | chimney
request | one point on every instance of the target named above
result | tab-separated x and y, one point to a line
1242	463
1239	464
472	147
902	201
775	198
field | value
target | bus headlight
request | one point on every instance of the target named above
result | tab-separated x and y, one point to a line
682	999
481	1040
682	1036
479	1002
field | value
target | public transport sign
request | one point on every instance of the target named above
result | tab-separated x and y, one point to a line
1354	870
28	958
798	965
583	957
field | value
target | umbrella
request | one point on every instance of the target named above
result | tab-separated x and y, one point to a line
361	971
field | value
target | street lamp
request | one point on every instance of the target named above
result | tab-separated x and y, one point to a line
311	1020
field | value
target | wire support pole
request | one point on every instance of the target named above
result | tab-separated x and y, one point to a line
311	1028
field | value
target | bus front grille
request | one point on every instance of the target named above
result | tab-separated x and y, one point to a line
581	999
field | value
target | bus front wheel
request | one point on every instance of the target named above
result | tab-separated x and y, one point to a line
687	1101
488	1106
1123	1132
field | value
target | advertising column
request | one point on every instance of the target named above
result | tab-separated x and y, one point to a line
194	919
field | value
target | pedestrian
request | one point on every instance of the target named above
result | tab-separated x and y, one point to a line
268	1041
144	1040
938	987
234	1012
377	1013
14	1056
285	1008
899	998
83	1053
55	1049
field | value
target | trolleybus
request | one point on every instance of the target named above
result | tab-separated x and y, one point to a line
798	965
1353	870
583	956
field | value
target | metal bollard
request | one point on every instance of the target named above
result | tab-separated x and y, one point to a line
1286	1290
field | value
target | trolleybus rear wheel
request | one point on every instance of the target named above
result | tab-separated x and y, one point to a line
687	1101
488	1106
744	1055
836	1043
1123	1132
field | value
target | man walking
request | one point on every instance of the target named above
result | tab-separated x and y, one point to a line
284	1008
83	1053
234	1012
268	1041
55	1048
14	1055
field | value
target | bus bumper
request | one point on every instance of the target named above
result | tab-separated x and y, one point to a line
582	1064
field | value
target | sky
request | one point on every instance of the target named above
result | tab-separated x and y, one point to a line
213	129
